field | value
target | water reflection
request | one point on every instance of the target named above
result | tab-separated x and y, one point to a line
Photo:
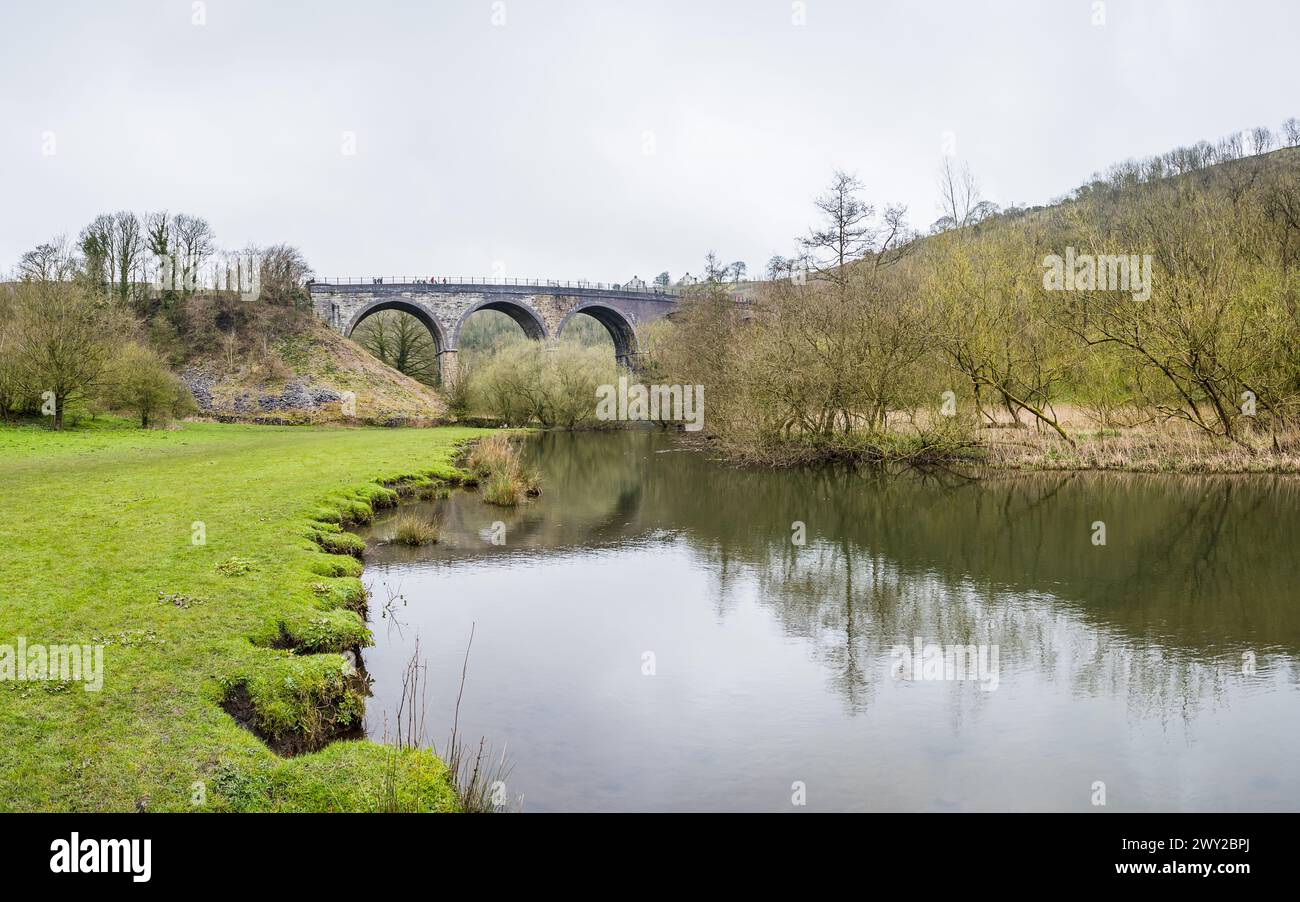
1121	662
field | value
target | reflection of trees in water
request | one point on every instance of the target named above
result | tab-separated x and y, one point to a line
1195	570
1194	562
591	498
854	607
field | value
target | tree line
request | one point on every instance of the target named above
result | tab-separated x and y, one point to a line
92	322
151	260
878	338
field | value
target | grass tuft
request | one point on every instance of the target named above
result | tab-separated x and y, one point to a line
235	566
502	478
415	530
341	543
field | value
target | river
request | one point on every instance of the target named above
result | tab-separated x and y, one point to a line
650	635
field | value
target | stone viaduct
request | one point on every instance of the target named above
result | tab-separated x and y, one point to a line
541	309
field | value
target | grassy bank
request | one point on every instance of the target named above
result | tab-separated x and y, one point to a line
97	530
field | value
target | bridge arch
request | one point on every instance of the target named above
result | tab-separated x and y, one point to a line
424	316
527	318
619	327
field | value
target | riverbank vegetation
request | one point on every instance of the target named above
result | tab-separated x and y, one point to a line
1172	344
525	383
415	530
206	566
495	462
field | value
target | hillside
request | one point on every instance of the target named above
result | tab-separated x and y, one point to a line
1148	321
300	371
1123	182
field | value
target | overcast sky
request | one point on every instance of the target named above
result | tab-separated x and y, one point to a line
597	140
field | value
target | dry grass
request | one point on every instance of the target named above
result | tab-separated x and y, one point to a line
503	480
492	454
505	489
478	778
1136	440
1154	446
415	530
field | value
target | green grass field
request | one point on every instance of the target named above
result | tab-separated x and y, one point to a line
96	523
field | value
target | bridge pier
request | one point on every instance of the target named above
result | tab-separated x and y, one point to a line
449	368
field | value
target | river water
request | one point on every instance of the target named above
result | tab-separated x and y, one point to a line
651	636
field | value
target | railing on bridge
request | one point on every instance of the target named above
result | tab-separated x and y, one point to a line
641	288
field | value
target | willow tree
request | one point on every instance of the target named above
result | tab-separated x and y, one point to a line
994	322
1196	330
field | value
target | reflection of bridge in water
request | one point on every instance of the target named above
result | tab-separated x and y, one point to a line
542	309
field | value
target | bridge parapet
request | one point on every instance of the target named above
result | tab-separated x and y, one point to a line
479	283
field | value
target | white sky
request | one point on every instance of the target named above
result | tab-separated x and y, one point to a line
521	148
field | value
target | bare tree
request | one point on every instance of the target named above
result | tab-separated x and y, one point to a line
193	244
158	233
283	270
779	267
1261	140
129	254
53	261
1229	147
714	269
96	243
959	193
402	342
1291	132
848	232
113	246
1205	154
894	237
160	241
